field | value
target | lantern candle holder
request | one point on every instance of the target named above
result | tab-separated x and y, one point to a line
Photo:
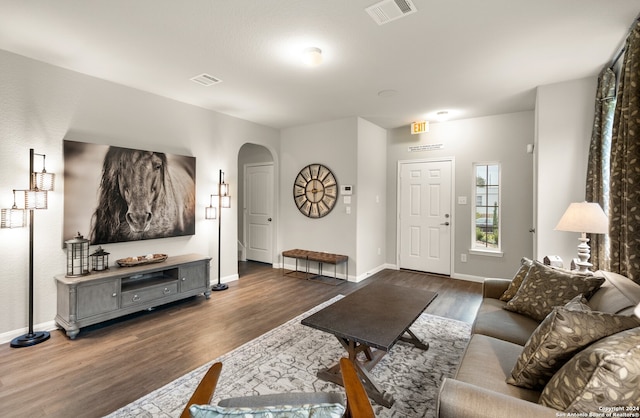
99	260
77	256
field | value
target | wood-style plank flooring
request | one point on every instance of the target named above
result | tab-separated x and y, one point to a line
111	365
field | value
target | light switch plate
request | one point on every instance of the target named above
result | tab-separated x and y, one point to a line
462	200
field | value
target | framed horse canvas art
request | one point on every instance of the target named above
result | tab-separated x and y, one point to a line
120	194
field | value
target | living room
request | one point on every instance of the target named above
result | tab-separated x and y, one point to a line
44	104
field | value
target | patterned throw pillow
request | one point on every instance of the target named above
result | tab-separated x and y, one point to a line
525	265
605	374
300	411
564	332
545	287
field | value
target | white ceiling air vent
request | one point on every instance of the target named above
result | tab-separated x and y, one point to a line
206	80
389	10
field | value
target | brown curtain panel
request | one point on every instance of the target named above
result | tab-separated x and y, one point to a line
599	161
624	205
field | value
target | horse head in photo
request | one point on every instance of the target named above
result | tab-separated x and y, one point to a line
142	197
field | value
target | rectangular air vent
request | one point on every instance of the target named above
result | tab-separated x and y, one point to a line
389	10
206	80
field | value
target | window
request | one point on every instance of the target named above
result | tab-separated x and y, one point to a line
486	225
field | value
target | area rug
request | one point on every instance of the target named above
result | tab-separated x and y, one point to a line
287	358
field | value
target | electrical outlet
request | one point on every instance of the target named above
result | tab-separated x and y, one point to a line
379	251
463	258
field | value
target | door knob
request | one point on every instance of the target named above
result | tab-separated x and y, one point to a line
446	224
269	219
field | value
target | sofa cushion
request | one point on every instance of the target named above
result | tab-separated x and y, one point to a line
487	362
545	287
605	374
494	321
565	331
618	294
525	265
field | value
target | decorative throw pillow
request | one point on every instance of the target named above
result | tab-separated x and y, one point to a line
564	332
605	374
326	410
525	265
545	287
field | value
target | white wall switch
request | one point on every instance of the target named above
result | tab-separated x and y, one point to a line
463	258
346	200
462	200
348	210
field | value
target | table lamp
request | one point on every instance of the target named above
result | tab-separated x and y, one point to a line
584	217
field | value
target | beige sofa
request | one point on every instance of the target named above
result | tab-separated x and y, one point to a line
479	388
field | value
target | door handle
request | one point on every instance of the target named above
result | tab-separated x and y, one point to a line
445	224
269	219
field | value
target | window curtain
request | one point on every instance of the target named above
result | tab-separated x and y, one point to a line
599	160
624	204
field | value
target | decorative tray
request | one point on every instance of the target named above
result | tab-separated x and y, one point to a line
140	260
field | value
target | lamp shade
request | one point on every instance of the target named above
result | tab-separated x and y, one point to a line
43	181
35	199
584	217
13	218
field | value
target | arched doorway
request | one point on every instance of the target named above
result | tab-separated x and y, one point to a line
256	204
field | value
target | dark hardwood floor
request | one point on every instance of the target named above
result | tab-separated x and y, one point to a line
110	365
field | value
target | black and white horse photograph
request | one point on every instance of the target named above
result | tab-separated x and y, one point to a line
114	194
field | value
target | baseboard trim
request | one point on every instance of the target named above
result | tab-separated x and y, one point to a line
10	335
468	277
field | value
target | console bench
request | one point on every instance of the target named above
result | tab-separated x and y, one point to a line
119	291
319	257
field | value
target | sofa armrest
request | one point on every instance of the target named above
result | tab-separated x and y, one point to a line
463	400
494	288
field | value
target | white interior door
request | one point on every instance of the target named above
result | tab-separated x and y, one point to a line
259	212
425	216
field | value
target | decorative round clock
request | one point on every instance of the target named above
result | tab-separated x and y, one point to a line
315	191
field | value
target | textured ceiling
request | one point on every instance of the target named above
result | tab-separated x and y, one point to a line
471	57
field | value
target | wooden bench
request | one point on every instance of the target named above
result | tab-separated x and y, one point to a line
318	257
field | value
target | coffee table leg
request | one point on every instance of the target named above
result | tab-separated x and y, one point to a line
412	339
375	392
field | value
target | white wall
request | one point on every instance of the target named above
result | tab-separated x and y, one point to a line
333	144
40	106
371	192
501	138
564	120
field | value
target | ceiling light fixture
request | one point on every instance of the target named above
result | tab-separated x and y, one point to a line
442	115
312	56
387	93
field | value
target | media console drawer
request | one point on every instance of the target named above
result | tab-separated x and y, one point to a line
148	294
119	291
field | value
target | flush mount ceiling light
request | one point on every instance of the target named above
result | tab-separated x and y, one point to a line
312	56
442	115
387	93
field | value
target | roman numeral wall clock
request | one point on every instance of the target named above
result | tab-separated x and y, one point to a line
315	191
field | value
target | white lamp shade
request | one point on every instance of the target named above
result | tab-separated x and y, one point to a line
35	199
44	181
210	212
13	218
584	217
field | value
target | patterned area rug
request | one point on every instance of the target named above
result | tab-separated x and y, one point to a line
287	358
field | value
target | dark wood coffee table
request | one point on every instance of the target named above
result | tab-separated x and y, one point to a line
370	321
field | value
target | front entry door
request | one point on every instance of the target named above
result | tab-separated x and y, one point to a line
425	216
259	212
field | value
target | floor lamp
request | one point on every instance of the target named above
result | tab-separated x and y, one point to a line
224	201
34	198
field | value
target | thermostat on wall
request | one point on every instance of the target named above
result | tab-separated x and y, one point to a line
346	189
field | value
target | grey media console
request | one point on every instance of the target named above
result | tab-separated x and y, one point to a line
119	291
